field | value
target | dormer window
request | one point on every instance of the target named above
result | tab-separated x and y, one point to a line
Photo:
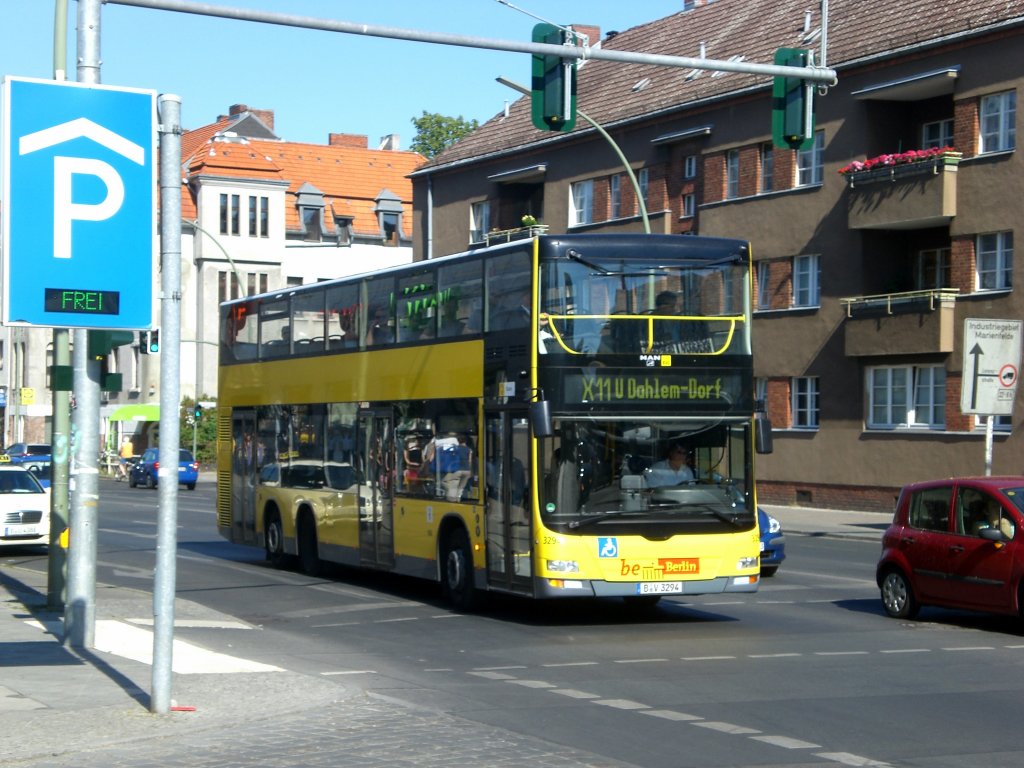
310	203
389	217
343	226
311	224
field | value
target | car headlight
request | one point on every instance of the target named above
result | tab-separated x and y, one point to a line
774	526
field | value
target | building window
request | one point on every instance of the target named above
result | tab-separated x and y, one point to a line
810	163
999	423
581	203
390	227
258	216
806	274
229	288
690	167
763	273
760	392
264	217
689	205
343	226
995	261
767	167
804	392
998	117
642	179
932	269
907	396
229	214
732	174
311	224
615	195
937	135
479	221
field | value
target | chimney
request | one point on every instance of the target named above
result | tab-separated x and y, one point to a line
389	142
351	140
593	33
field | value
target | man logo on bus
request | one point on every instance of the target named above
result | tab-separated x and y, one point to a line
608	546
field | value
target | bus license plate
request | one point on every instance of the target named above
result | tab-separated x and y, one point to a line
660	588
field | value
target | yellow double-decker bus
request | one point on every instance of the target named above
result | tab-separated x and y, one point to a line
557	416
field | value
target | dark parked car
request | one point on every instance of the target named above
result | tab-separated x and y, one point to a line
146	470
955	543
773	543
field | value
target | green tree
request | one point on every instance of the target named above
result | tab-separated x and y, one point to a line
205	430
435	133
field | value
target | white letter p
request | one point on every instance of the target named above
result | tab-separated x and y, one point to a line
65	211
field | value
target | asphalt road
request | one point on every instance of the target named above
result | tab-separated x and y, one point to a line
808	666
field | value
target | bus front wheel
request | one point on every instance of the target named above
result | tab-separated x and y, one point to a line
309	554
274	538
457	572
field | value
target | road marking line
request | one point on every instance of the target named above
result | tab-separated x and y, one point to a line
572	664
971	648
849	759
493	669
391	621
772	655
196	624
572	693
531	683
492	675
732	728
636	661
668	714
840	653
907	650
708	658
620	704
786	742
351	672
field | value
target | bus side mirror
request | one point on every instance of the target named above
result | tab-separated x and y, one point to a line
762	433
540	418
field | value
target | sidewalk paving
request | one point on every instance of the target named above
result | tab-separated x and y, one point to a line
62	706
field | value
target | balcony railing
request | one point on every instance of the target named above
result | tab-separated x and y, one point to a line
912	322
508	235
913	195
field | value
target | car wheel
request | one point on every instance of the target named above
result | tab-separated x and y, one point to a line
190	486
150	481
768	571
309	554
131	480
457	572
898	596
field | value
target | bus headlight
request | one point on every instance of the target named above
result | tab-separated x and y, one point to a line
563	566
746	562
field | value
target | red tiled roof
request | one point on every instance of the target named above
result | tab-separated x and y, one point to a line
858	30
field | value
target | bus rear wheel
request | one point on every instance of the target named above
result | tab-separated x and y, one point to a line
457	572
274	540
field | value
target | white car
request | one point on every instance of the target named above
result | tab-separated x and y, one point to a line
24	508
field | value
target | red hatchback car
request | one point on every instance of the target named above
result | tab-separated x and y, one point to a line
956	543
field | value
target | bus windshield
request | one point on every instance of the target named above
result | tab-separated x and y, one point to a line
669	477
640	302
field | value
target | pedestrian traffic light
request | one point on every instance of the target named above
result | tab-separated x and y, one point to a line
792	103
153	344
143	342
553	87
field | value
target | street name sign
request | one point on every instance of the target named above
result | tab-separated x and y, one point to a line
992	350
79	204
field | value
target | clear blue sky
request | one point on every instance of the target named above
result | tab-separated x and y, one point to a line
316	82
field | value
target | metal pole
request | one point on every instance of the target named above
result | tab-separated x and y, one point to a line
170	394
80	610
57	560
989	429
812	73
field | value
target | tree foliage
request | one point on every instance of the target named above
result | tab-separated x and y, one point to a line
435	133
205	432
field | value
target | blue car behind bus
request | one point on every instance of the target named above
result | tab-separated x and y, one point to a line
144	471
773	543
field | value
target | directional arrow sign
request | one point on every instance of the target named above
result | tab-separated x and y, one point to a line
992	350
79	197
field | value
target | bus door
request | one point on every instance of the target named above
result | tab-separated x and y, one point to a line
509	500
243	476
375	461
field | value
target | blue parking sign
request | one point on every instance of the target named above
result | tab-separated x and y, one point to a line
79	204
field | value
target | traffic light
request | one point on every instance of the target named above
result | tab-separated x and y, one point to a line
553	87
102	343
153	343
198	412
792	103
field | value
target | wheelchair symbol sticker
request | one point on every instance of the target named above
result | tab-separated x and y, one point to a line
607	546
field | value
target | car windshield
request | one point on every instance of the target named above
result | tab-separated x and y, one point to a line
1016	495
19	482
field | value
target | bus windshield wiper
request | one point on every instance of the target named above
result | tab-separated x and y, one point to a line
599	517
573	254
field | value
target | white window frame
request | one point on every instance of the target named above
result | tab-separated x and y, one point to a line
906	397
643	178
763	298
689	205
581	203
690	167
810	167
1000	423
997	118
804	402
767	168
732	174
806	281
994	261
615	195
937	134
479	221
